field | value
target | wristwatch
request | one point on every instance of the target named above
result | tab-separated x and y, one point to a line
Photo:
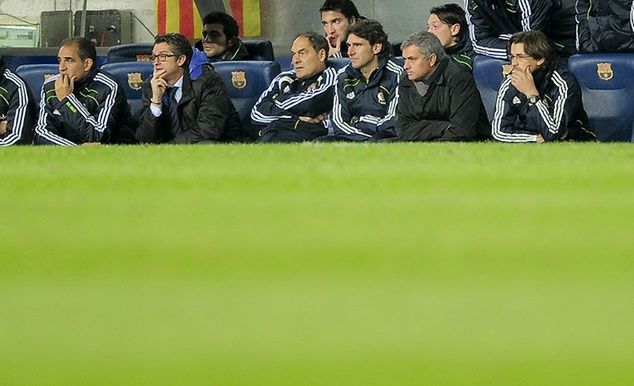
533	99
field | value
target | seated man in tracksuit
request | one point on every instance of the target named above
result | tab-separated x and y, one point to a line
438	99
17	109
538	101
82	104
295	106
177	109
366	95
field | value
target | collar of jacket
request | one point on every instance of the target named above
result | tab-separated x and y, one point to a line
540	78
187	92
456	48
310	80
87	79
376	75
235	52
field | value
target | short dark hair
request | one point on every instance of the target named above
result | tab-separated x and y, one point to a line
372	31
178	43
85	48
346	7
537	45
229	24
451	14
318	41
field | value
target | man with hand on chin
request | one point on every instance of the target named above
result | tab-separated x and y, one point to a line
336	17
177	109
82	104
538	101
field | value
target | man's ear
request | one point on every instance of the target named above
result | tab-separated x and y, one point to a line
232	41
376	48
181	60
322	55
88	64
433	59
455	30
352	20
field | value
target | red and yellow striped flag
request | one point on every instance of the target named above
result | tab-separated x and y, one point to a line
182	16
247	14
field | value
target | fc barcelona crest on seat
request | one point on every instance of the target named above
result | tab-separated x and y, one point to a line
239	79
135	80
604	70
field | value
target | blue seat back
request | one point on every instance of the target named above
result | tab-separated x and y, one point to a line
487	73
245	82
260	49
35	75
136	52
338	63
607	86
130	75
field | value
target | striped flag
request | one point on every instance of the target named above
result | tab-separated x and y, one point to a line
184	16
247	14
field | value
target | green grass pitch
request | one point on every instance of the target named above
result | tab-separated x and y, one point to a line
318	264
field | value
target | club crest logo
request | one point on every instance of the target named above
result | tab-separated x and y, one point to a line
135	80
350	95
239	79
46	76
604	70
381	97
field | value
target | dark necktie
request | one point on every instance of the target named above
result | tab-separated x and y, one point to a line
172	109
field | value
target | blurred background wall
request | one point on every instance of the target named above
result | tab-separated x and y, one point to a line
281	19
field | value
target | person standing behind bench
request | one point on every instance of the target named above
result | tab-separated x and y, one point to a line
17	109
82	104
177	109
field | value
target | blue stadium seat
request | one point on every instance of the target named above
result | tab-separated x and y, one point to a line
487	73
338	63
245	82
399	60
607	84
136	52
130	76
35	75
260	49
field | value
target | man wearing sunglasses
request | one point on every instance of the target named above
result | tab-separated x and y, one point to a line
82	104
220	38
177	109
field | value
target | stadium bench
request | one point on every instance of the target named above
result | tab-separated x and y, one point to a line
130	75
245	82
35	75
607	85
487	73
